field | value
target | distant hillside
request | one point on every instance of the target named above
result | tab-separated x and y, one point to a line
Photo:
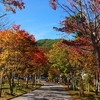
47	42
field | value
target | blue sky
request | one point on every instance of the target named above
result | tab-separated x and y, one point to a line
38	18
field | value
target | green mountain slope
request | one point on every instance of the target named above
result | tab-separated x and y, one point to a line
47	42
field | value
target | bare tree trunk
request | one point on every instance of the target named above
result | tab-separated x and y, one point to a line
33	80
27	80
18	80
68	81
97	83
88	87
81	91
73	83
11	82
97	55
1	80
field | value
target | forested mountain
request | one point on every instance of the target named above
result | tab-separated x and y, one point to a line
47	42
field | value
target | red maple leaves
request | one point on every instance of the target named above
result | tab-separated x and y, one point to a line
11	5
37	57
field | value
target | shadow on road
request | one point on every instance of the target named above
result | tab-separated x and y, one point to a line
41	99
53	89
49	91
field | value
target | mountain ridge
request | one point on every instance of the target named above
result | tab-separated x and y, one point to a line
47	42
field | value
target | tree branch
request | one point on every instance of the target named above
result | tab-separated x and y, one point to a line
3	15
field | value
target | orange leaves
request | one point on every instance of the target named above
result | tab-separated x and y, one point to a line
23	40
53	70
37	57
18	44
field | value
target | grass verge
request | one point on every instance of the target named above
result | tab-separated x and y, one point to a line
87	95
17	92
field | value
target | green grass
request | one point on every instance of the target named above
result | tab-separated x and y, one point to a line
17	91
21	90
87	95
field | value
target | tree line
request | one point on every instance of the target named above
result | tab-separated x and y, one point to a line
19	57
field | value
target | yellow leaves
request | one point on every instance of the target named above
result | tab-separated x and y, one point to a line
7	37
15	47
4	55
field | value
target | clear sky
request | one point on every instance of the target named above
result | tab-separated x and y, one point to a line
38	18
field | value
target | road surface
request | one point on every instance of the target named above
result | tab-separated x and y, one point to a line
49	91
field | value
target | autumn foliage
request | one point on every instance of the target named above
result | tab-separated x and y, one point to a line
83	20
19	54
11	5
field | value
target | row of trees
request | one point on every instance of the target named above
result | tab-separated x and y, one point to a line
83	20
72	58
73	66
19	56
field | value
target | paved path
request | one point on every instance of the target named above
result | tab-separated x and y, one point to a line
49	91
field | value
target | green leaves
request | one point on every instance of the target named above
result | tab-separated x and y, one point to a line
58	57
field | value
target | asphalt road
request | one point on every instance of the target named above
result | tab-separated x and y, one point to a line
49	91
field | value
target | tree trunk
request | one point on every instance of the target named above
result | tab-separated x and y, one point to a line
0	89
97	83
38	76
81	91
33	80
73	83
18	80
27	80
1	80
68	81
88	87
97	55
11	82
96	50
